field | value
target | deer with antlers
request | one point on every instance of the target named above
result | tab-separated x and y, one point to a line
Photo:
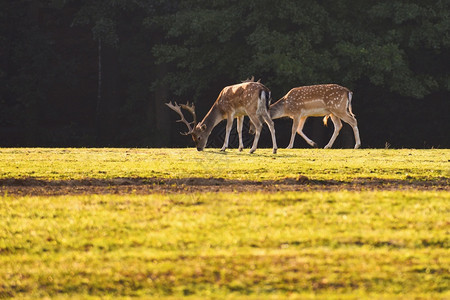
329	100
248	98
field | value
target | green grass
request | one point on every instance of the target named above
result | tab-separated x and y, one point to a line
327	245
367	244
181	163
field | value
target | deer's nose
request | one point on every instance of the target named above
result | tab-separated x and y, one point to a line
199	149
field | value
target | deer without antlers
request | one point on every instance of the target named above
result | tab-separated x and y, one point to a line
329	100
245	99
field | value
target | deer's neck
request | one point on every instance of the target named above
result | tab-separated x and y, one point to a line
212	118
277	109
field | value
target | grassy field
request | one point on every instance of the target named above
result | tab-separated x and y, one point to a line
319	164
351	244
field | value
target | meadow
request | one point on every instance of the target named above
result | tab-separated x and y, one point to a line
297	241
321	164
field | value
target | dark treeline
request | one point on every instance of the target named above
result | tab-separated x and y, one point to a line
97	73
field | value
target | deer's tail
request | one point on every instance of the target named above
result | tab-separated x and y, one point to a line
325	120
263	101
265	98
349	103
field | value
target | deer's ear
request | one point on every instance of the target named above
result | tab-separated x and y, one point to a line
203	127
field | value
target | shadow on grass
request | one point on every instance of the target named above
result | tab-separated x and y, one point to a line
35	186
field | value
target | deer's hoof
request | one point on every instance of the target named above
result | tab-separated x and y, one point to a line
252	151
240	149
314	144
274	151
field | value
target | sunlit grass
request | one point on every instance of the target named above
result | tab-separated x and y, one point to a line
367	244
182	163
329	245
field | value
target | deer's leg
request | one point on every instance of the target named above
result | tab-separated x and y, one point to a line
227	133
258	126
337	127
240	124
295	121
351	120
271	125
300	131
251	129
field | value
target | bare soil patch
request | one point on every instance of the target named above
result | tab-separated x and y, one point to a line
34	186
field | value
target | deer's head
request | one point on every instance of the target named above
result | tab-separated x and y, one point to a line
196	130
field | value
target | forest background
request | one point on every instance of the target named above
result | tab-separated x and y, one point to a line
97	73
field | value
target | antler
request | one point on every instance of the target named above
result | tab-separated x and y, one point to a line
252	80
177	109
190	108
